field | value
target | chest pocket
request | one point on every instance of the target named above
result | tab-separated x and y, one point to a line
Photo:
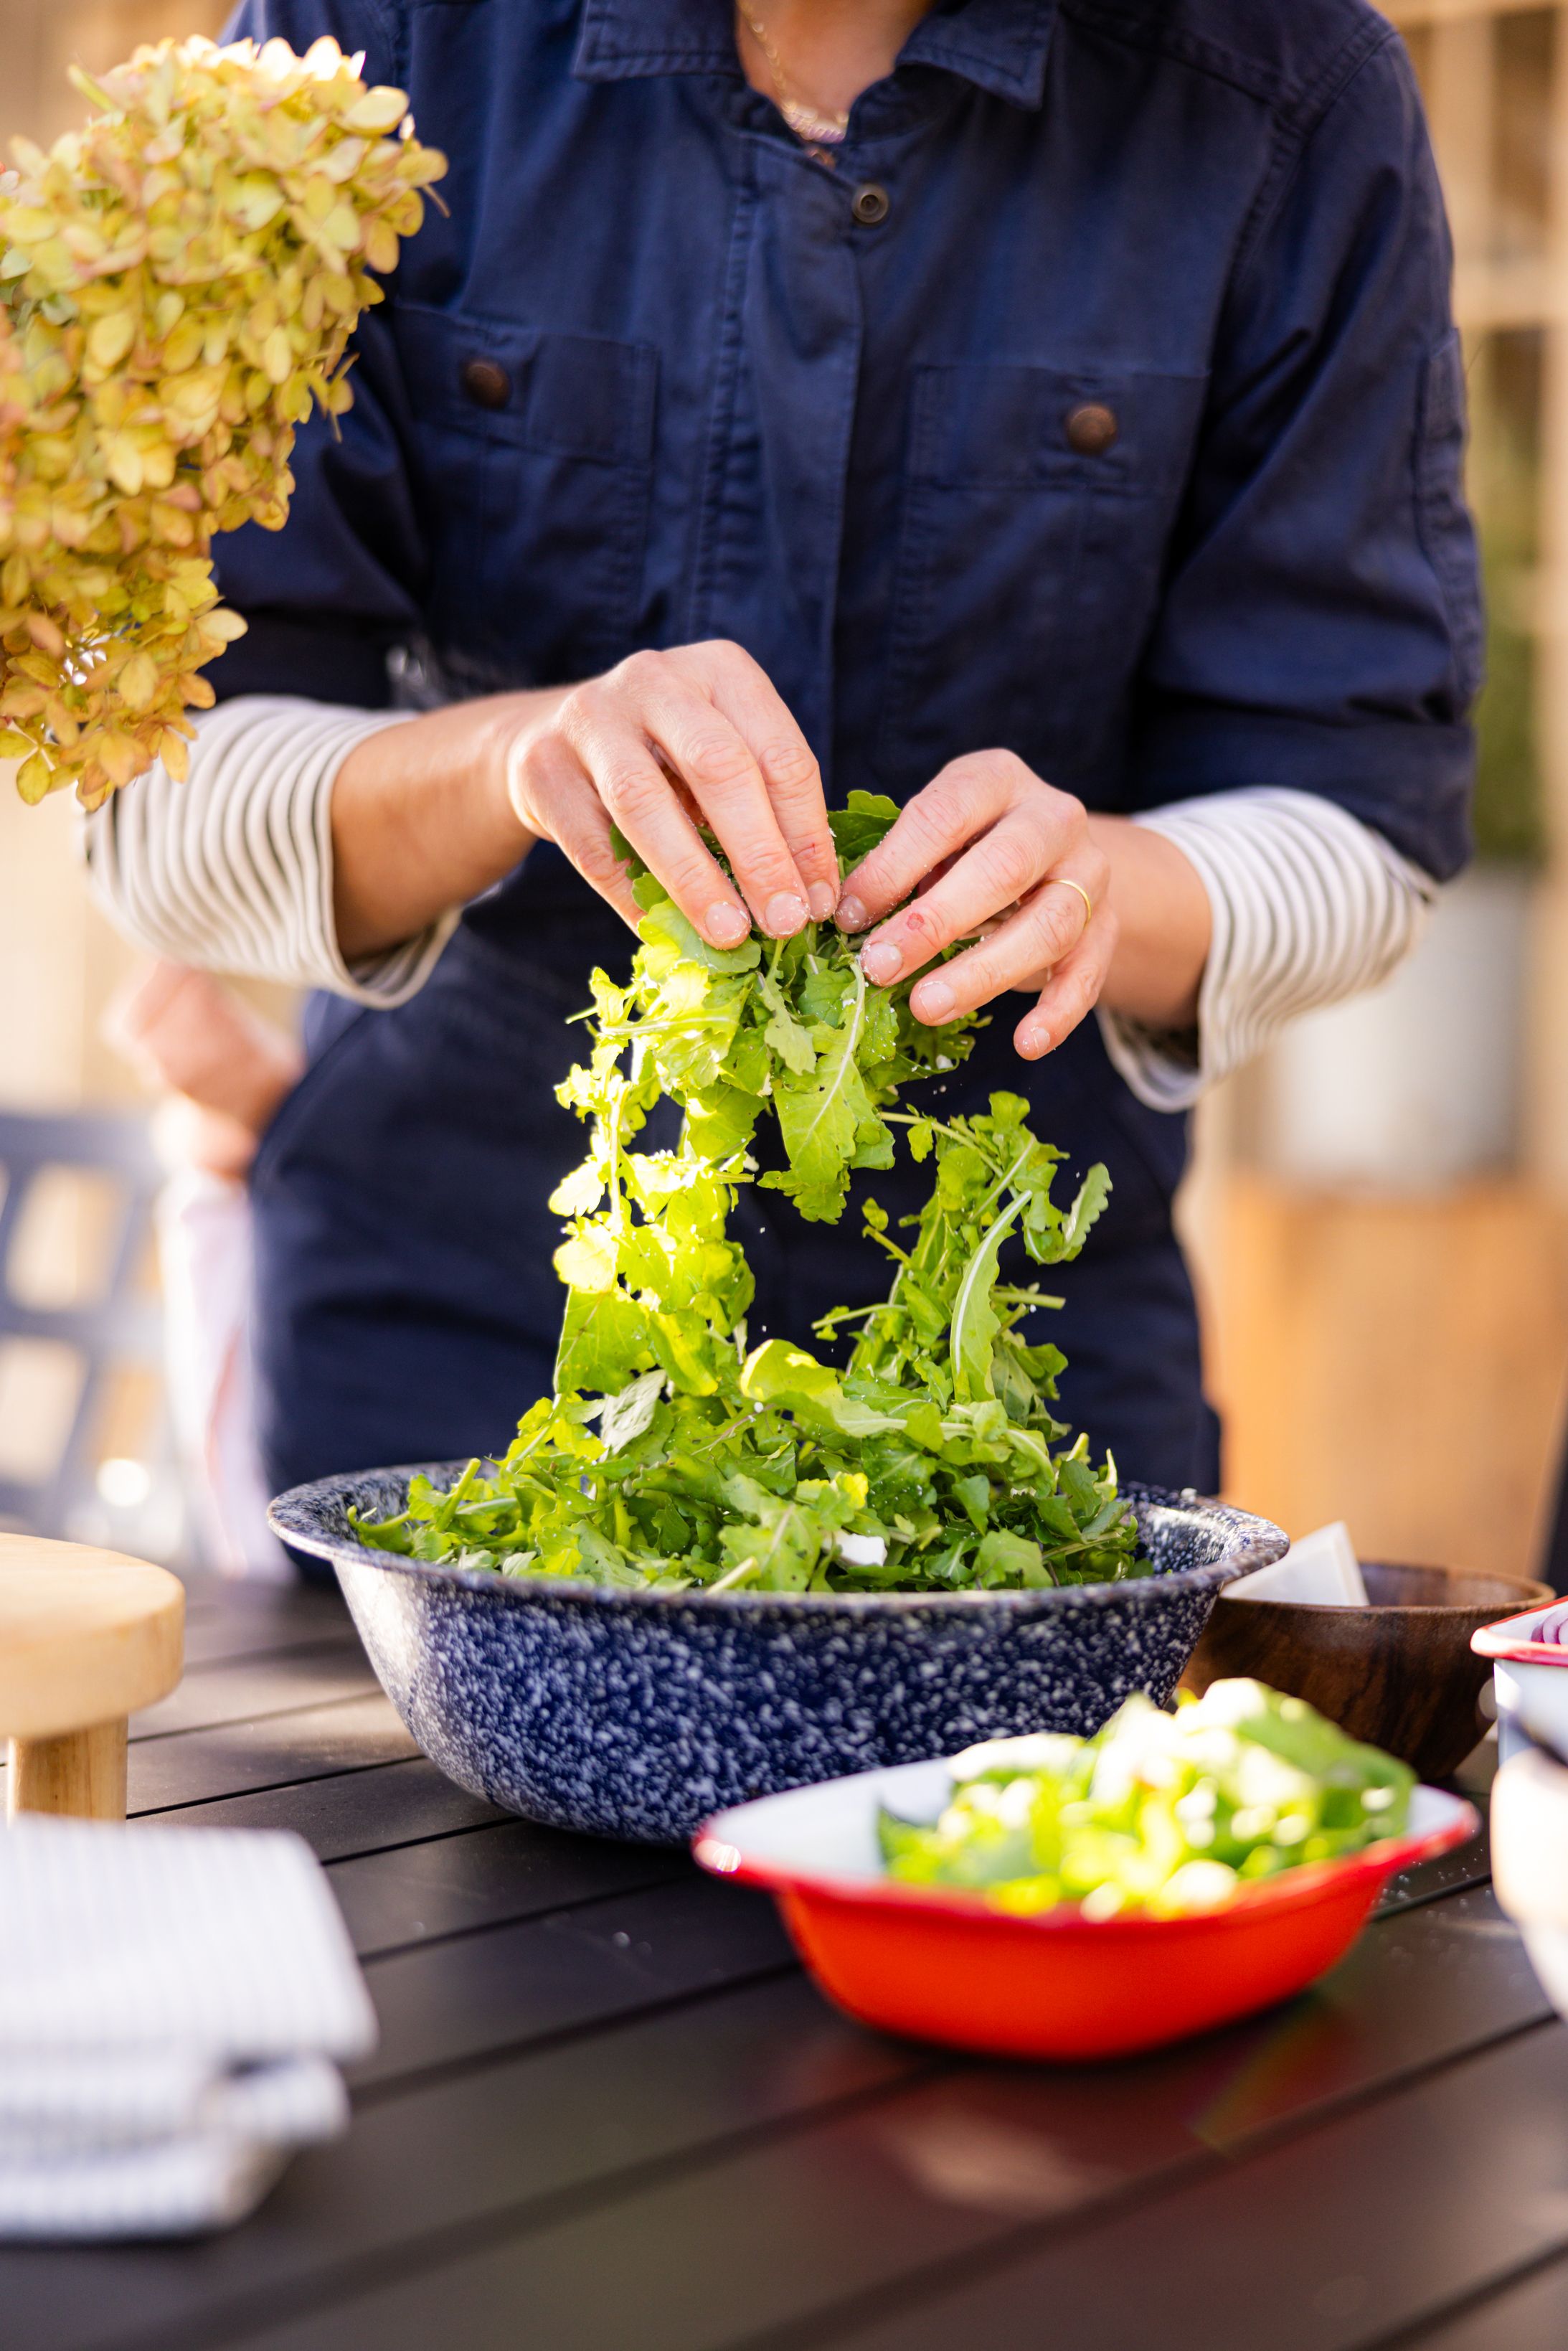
533	453
1037	507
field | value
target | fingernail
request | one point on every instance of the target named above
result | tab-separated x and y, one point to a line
823	898
726	925
881	961
932	1001
784	915
850	914
1034	1039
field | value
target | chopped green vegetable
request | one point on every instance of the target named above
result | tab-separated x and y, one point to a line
925	1464
1157	1811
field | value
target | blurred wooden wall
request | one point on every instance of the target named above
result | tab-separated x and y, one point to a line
1400	1363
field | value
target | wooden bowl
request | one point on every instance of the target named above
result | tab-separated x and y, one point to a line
1399	1673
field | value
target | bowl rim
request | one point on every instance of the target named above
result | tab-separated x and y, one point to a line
1363	1612
1253	1542
714	1849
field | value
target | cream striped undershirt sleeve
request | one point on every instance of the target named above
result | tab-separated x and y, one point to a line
232	871
1309	904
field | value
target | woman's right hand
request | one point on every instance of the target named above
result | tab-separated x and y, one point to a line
659	742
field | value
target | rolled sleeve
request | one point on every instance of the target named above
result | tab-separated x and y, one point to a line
231	870
1308	907
1322	623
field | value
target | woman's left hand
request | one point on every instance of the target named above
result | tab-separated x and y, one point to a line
1016	870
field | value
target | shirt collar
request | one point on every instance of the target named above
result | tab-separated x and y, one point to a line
999	45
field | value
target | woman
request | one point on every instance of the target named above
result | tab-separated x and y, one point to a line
1048	415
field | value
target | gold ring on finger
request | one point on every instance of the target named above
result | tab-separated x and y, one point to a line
1066	882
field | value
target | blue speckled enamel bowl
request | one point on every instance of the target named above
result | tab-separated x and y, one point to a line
638	1714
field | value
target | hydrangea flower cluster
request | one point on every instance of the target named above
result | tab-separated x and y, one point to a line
179	281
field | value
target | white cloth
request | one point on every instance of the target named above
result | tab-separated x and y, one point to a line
173	2002
204	1261
232	871
102	2101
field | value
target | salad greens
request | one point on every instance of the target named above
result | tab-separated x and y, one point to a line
670	1454
1157	1811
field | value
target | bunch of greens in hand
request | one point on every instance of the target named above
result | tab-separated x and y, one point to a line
669	1456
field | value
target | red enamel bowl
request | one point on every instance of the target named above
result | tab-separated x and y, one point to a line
948	1967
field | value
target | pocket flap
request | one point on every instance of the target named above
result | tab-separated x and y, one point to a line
570	396
1029	427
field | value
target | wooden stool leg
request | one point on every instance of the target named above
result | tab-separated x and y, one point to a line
82	1773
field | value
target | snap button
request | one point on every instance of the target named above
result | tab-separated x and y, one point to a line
486	382
1091	428
870	204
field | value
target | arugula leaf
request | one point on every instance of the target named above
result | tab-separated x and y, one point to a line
779	1373
664	926
861	824
1092	1194
1004	1558
821	1116
626	1415
603	1342
790	1038
977	1324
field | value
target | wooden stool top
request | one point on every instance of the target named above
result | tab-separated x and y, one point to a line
87	1636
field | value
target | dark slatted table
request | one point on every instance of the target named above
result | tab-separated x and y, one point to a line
609	2114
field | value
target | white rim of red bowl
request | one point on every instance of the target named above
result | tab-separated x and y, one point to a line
1502	1639
719	1853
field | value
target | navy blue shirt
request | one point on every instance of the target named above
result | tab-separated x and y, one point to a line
659	376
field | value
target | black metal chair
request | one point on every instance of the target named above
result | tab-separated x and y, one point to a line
121	1327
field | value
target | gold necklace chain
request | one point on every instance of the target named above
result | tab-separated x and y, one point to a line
806	120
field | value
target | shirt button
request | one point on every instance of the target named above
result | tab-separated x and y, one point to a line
486	382
1091	428
870	204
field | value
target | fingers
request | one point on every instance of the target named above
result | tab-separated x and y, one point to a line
937	823
748	697
705	727
994	874
1043	932
1072	990
563	806
702	745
